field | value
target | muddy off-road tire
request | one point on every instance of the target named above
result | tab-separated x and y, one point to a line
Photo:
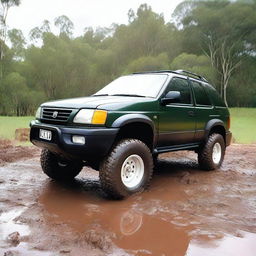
211	154
58	168
127	169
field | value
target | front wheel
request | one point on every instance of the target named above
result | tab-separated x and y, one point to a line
211	154
58	168
127	169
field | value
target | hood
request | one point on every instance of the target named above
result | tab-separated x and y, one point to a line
102	102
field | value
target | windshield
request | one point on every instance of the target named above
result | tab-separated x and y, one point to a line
141	85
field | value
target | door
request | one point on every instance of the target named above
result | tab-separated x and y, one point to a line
177	120
203	109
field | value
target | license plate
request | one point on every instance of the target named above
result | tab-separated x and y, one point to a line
45	135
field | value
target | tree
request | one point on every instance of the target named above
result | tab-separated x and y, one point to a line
18	42
198	64
210	38
225	60
14	90
5	5
65	25
37	33
46	26
225	31
148	63
146	35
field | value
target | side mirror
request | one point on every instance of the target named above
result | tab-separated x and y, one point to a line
171	97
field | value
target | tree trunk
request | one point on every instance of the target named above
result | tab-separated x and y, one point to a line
223	60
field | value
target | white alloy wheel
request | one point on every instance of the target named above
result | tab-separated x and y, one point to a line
132	171
216	153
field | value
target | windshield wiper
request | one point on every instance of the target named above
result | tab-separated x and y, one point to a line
95	95
128	95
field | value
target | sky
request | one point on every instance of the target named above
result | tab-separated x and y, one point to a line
83	13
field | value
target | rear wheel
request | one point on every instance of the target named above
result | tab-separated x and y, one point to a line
127	169
58	168
211	154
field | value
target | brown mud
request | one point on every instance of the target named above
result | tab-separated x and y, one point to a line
186	211
10	153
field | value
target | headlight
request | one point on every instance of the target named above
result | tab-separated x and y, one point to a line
38	113
91	116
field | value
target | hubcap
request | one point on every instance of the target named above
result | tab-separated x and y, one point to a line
132	171
216	153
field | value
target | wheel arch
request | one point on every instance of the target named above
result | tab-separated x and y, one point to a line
136	126
215	126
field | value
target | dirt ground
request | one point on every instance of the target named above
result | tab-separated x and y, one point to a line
186	211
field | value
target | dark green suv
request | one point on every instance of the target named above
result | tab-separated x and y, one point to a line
123	127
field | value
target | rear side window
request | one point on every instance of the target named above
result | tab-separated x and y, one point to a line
182	86
215	97
200	94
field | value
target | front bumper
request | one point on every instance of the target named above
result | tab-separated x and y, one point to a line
98	141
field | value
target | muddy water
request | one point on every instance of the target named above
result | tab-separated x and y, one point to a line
185	212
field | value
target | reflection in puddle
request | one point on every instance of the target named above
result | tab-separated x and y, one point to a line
134	230
130	222
160	221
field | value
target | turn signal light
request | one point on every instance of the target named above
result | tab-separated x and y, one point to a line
99	117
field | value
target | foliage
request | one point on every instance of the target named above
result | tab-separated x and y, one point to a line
205	37
225	31
146	63
199	64
5	5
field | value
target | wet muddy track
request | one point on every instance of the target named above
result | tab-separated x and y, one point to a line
186	211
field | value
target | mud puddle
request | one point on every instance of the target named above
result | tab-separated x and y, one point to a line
185	212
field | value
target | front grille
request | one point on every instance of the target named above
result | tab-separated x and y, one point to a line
56	114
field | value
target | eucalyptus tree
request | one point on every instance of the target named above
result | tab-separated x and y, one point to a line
18	42
5	6
65	25
224	30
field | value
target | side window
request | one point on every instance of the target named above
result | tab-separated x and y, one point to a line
216	99
182	86
200	94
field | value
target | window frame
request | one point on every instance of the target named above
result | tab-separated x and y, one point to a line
190	89
194	94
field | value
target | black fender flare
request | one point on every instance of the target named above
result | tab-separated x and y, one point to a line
135	118
211	124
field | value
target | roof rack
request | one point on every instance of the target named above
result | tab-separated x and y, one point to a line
155	71
194	75
179	71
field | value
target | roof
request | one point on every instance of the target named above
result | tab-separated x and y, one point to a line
179	72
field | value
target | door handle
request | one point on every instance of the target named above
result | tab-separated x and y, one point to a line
191	113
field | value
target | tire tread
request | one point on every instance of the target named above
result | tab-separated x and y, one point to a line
205	153
107	169
48	164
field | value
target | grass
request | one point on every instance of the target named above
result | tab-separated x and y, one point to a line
243	123
8	125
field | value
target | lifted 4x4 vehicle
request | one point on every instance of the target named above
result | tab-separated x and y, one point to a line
120	129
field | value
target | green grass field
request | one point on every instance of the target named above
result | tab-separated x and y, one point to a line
243	123
8	125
